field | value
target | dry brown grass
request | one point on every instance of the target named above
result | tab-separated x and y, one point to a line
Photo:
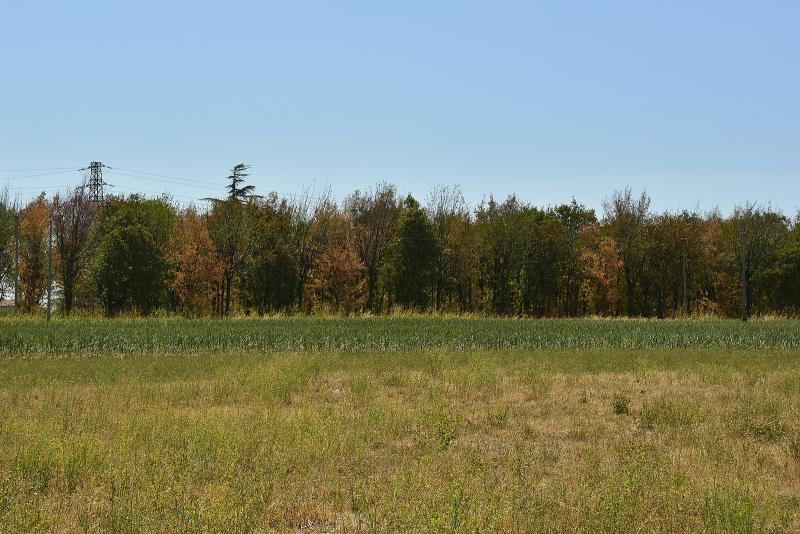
427	441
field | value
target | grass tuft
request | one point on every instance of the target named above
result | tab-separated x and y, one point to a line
621	404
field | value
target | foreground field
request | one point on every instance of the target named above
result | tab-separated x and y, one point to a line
544	440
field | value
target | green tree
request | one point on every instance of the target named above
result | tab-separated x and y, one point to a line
626	219
129	268
756	235
542	247
156	215
373	214
501	234
661	275
228	226
574	218
786	271
461	263
268	275
127	245
411	261
445	208
236	191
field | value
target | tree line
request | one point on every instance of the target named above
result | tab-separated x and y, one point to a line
377	252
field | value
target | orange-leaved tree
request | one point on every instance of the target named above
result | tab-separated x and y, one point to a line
603	268
34	233
339	276
198	271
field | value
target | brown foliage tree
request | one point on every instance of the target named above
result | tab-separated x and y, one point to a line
34	233
198	271
338	276
603	268
311	215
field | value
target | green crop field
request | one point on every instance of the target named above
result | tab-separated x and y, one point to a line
100	336
399	424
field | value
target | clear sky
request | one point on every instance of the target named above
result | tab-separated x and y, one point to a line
697	102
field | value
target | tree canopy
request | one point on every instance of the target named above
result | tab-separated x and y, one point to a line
377	252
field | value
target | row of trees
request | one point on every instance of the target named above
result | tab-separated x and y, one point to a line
378	251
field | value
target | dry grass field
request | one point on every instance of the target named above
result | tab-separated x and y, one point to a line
550	440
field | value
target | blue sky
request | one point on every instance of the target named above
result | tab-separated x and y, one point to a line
696	102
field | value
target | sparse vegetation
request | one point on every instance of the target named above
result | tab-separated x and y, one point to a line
794	447
666	413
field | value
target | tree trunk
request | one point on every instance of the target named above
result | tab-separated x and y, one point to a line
228	284
67	297
745	292
372	279
685	285
629	291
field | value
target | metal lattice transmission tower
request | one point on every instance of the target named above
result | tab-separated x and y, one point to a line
96	182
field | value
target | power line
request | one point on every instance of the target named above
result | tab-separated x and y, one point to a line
168	176
35	188
34	170
42	174
160	180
